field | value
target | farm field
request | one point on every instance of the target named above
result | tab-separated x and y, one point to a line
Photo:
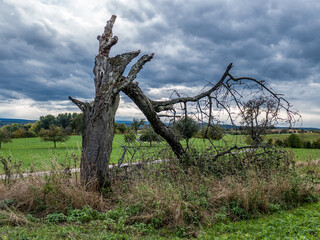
36	154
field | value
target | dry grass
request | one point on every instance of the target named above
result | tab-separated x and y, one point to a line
43	195
192	198
166	195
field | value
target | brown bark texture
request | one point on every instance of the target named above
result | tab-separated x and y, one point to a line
99	115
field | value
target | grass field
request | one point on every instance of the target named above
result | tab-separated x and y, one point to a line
36	154
300	223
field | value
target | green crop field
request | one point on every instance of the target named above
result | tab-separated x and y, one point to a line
36	154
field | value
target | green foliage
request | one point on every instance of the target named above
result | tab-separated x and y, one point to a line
294	141
77	123
12	127
23	133
130	137
54	134
56	218
46	121
149	135
136	124
214	132
187	128
120	128
7	203
4	136
63	120
83	215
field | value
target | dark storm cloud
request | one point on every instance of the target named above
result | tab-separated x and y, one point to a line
273	40
37	63
193	42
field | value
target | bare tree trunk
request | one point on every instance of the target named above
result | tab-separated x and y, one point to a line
143	102
97	140
99	115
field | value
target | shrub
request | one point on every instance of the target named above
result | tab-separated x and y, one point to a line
149	135
130	137
187	128
294	141
214	132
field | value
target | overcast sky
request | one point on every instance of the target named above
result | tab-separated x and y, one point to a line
47	49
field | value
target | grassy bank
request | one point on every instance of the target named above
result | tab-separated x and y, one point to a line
301	223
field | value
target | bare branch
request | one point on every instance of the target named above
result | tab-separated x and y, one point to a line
197	97
106	41
135	69
83	106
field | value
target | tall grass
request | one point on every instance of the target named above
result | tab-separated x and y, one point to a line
167	195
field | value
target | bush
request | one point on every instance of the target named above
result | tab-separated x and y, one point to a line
187	128
237	186
214	132
130	137
149	135
294	141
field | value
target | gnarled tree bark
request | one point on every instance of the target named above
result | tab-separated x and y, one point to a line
99	115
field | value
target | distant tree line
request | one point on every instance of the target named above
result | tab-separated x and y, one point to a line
70	123
295	141
49	128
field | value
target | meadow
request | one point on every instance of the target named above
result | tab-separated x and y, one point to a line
37	155
161	202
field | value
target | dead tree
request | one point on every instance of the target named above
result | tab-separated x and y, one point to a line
229	94
258	115
99	115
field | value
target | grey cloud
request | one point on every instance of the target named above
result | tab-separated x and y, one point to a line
277	41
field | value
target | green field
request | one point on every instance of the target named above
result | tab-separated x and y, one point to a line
301	223
36	154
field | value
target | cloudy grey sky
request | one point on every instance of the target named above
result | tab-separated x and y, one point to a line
47	49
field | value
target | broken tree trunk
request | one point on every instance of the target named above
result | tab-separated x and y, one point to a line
145	105
99	115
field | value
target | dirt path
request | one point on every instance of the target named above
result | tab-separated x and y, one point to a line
74	170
